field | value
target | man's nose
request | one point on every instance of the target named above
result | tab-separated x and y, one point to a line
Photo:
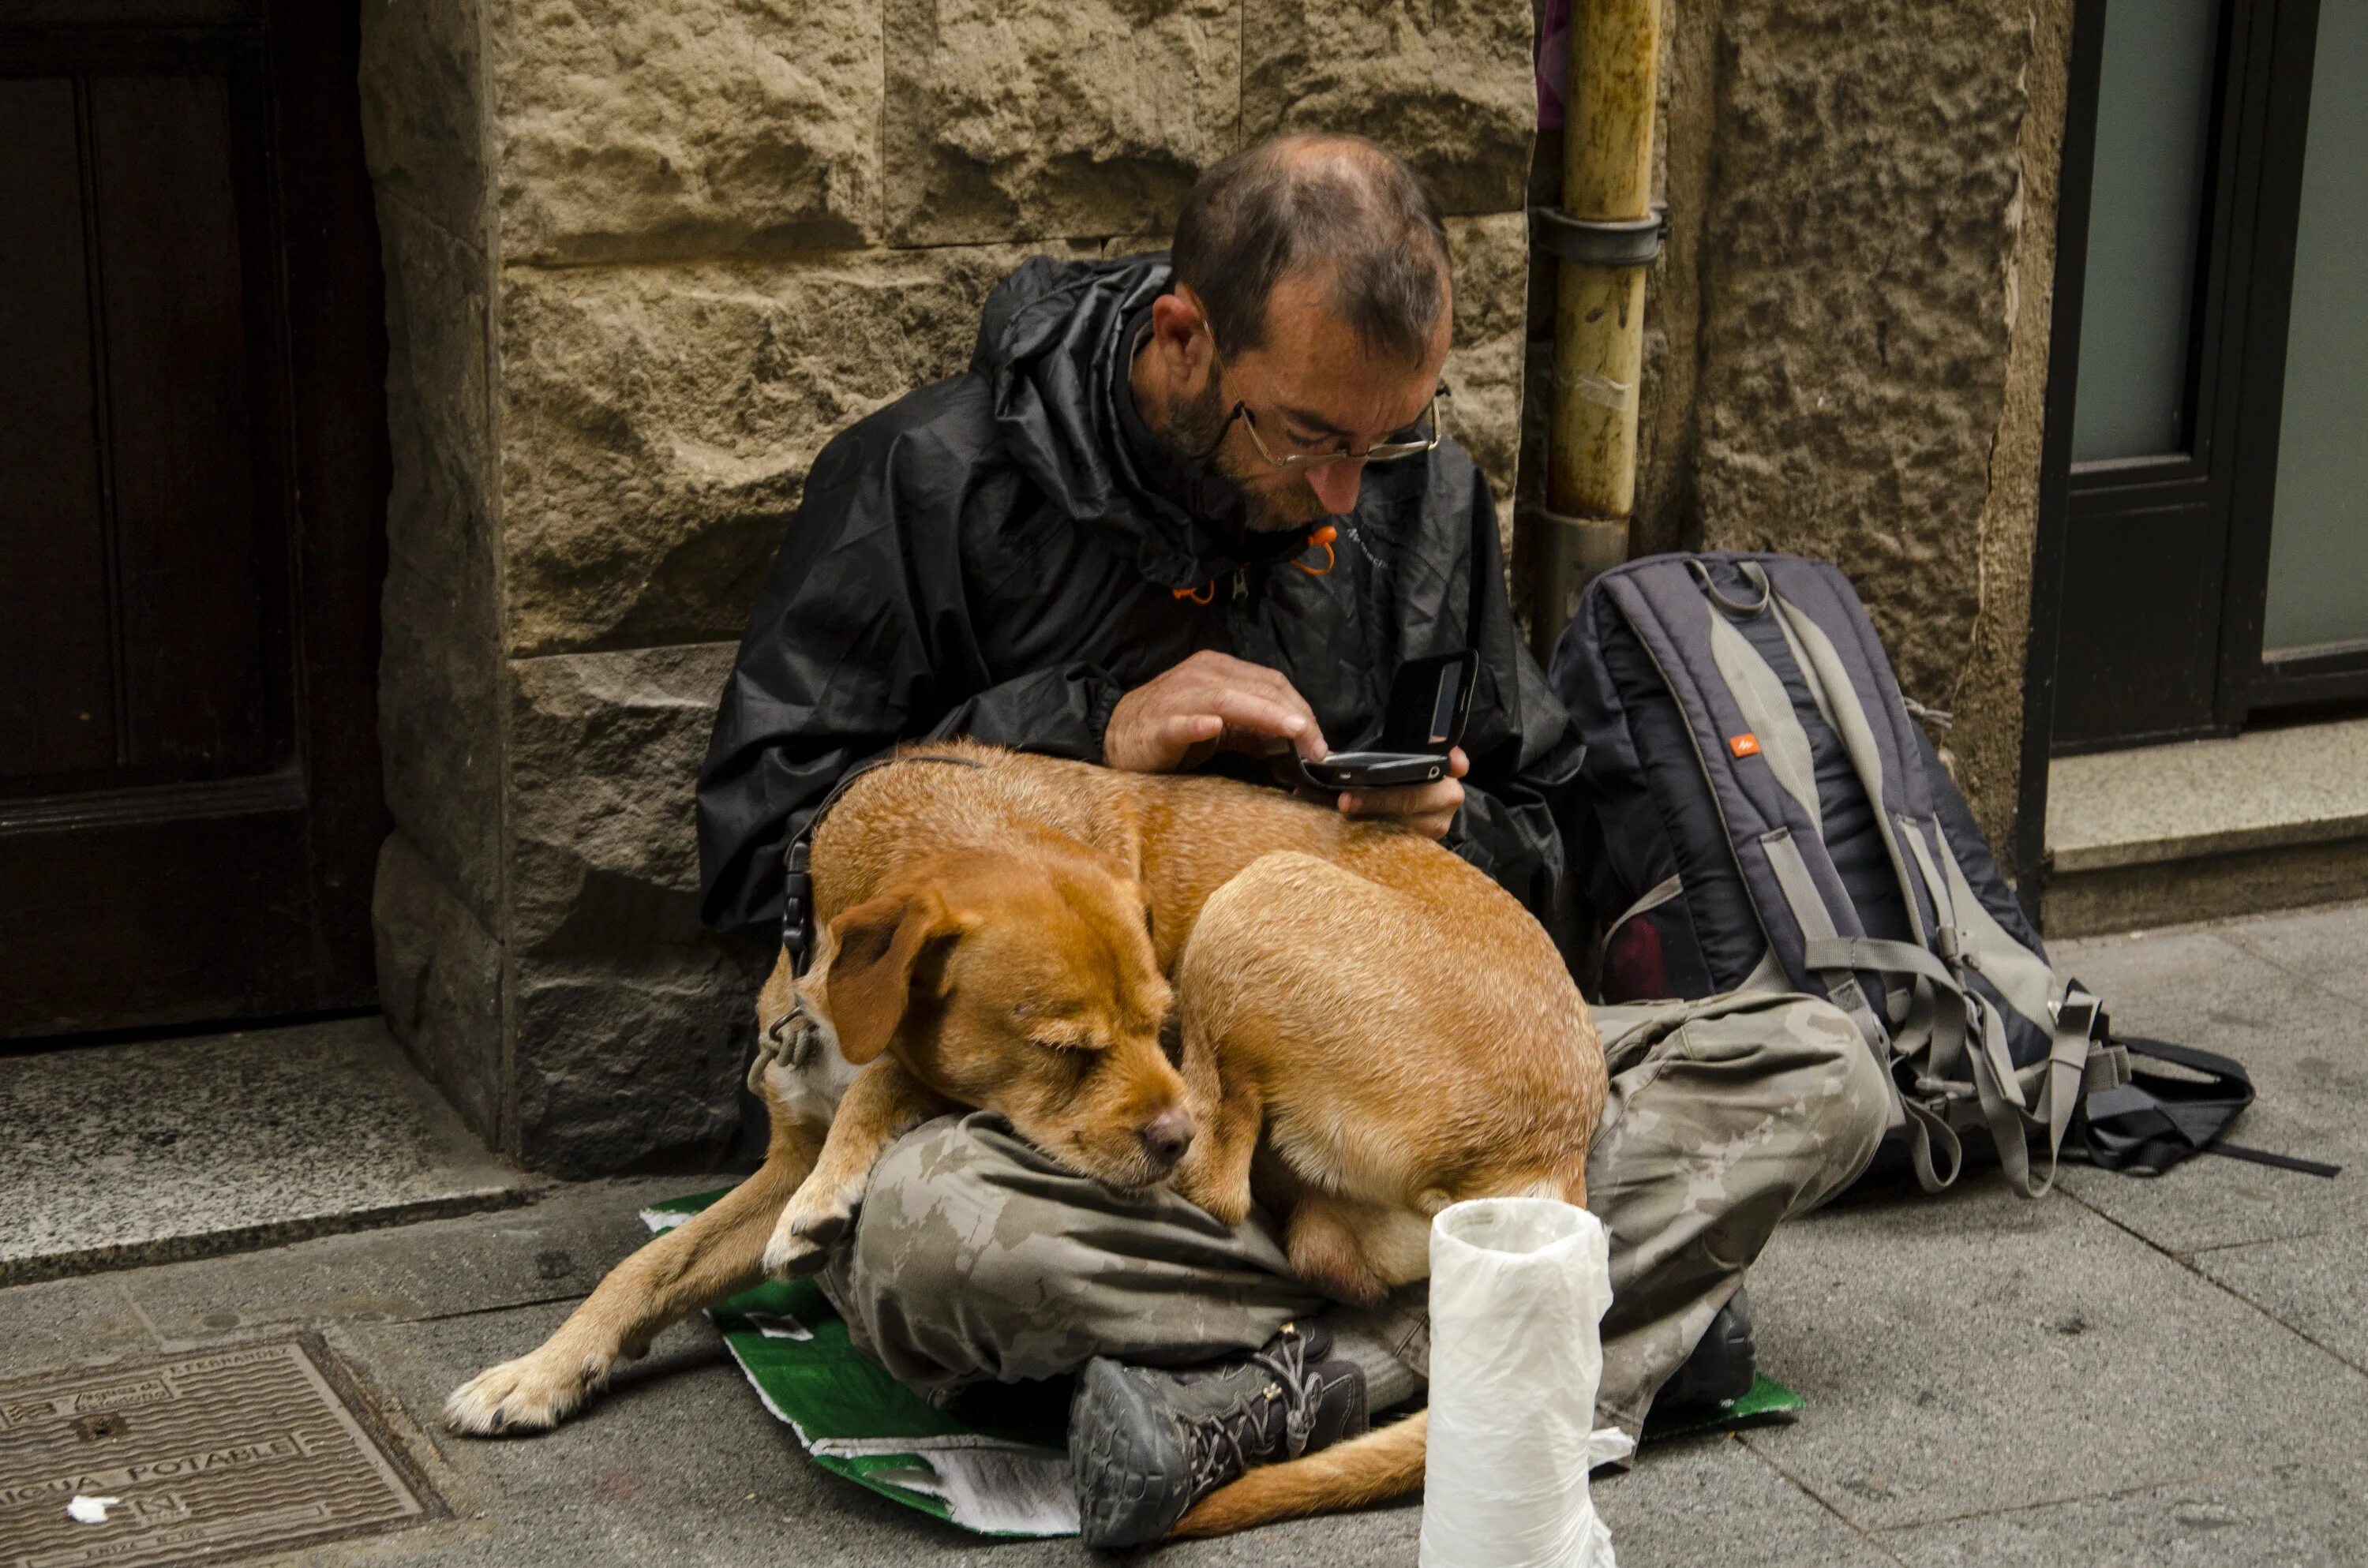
1336	485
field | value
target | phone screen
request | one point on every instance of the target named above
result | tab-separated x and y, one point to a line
1442	711
1429	700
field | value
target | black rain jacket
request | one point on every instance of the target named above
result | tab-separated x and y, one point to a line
999	555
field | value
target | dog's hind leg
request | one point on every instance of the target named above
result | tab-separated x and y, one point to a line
1380	1465
714	1254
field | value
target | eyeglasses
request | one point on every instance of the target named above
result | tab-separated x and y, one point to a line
1425	438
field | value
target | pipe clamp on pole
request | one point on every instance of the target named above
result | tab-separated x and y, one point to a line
1599	242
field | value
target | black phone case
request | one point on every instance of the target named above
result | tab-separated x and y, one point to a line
1430	700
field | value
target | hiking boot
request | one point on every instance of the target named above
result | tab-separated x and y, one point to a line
1722	1369
1147	1443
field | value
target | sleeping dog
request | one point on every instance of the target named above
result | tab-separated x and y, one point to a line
1014	934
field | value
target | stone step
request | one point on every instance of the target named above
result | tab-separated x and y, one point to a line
2198	830
122	1154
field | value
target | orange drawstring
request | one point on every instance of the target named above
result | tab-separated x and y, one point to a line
1323	536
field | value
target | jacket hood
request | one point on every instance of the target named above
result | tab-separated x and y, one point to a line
1054	342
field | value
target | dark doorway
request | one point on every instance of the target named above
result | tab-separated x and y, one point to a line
193	480
2215	547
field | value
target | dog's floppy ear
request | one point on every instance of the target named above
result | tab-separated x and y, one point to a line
874	947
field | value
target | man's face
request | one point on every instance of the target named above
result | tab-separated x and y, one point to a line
1311	387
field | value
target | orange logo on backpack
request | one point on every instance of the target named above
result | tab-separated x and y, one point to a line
1746	744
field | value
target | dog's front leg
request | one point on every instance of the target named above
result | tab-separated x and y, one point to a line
711	1255
883	1104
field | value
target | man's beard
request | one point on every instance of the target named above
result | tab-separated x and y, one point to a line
1195	425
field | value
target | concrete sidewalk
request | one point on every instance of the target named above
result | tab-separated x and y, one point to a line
2132	1371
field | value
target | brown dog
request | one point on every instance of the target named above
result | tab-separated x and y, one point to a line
999	935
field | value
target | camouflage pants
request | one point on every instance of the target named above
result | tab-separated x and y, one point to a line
975	1258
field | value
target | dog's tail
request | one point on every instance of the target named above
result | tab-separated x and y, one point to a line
1383	1464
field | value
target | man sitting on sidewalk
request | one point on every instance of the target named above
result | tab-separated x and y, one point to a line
1182	511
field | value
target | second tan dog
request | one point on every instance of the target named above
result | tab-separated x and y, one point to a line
1001	935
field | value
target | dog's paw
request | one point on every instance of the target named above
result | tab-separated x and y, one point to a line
806	1231
1199	1184
533	1394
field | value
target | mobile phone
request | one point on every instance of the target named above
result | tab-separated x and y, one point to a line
1373	769
1429	701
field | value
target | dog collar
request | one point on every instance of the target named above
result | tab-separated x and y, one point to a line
797	891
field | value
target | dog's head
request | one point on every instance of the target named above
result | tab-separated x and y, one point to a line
1022	984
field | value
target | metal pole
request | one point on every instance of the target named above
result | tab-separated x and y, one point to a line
1599	300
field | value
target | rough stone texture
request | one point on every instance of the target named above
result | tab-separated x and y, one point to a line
1684	151
621	1065
659	422
1858	252
439	977
439	663
632	1023
423	130
1447	85
1986	744
604	751
1490	257
423	110
632	130
1038	119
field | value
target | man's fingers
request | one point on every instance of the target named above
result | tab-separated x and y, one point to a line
1222	673
1191	728
1249	718
1429	809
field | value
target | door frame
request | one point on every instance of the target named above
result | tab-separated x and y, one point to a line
2236	389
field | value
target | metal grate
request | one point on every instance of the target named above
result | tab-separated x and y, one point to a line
211	1455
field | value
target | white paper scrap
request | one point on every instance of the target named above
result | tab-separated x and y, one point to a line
91	1510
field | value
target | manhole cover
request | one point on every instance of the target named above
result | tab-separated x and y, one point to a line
207	1455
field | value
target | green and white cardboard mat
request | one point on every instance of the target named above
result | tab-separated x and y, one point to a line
999	1467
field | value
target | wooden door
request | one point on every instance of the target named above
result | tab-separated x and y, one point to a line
193	478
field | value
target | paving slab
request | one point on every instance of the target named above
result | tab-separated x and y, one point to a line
179	1148
1697	1500
61	1322
2305	1517
1983	1352
2313	1284
554	1249
2327	947
2301	1045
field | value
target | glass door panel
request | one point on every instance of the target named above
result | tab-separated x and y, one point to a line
2318	535
2154	114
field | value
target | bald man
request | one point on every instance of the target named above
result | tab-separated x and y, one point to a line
1101	542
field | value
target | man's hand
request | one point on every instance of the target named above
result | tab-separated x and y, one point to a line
1208	702
1428	808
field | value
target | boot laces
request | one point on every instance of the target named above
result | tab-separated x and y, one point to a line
1222	1447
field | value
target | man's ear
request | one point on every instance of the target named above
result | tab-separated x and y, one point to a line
874	947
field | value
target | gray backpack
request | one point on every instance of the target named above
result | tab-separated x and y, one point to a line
1759	810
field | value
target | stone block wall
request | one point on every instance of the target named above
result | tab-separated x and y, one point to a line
644	258
1846	335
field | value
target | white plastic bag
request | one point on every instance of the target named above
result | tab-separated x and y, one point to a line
1518	1287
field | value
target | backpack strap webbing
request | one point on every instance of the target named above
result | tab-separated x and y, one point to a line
2153	1121
1960	1018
